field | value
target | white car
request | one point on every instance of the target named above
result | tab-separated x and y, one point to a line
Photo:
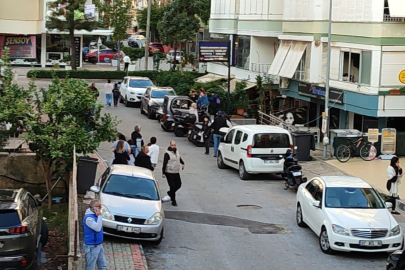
170	55
254	149
132	89
347	214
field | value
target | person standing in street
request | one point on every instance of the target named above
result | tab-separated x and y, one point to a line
121	155
143	159
203	99
219	122
136	137
93	237
153	151
127	61
214	103
116	94
394	173
171	170
94	89
206	128
108	90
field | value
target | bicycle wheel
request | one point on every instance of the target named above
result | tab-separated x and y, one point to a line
343	153
368	152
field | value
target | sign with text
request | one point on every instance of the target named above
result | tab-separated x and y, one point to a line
21	46
77	50
372	134
315	91
388	141
213	51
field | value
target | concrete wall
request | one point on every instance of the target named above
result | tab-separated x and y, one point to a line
27	169
21	16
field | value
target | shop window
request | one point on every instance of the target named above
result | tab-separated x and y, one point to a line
355	67
242	51
363	122
300	72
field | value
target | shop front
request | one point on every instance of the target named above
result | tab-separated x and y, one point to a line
23	49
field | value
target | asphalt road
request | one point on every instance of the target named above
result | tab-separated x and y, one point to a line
225	223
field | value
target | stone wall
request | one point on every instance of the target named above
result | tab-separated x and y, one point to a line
24	167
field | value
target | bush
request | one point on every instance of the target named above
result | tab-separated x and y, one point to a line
134	53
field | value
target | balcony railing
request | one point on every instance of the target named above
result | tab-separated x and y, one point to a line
388	18
260	68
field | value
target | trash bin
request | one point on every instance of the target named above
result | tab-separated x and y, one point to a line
340	136
86	174
303	141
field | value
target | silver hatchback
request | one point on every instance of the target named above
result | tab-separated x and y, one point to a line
131	205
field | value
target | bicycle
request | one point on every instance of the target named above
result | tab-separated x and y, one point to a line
367	151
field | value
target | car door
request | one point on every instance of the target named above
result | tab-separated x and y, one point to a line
314	214
123	88
236	146
227	145
308	198
145	98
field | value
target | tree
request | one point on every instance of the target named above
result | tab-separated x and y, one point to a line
117	16
69	15
66	115
156	13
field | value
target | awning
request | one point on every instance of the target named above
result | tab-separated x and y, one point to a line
210	78
233	85
98	32
293	59
396	8
279	58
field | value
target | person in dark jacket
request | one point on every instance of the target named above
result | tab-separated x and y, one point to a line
206	127
219	122
193	96
121	155
143	159
116	94
136	137
203	99
214	103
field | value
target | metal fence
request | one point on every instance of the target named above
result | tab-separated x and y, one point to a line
388	18
260	68
268	119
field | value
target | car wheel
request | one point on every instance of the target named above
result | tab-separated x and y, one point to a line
300	217
157	242
150	114
324	242
121	99
126	102
391	267
179	132
44	233
141	108
220	161
243	175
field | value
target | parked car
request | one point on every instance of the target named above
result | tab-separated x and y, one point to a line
254	149
173	104
170	55
348	215
132	89
131	204
153	99
23	232
155	46
92	57
132	42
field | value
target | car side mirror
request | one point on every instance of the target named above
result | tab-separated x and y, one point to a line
316	204
388	205
95	189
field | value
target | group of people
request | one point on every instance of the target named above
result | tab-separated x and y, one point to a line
111	91
213	101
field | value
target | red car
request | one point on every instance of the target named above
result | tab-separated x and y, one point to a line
154	46
105	53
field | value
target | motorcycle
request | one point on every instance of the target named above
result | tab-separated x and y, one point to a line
292	172
182	124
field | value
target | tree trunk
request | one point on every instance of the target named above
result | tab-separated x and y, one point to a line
48	177
72	49
118	55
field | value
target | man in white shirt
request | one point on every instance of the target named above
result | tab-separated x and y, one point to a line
153	151
108	89
127	61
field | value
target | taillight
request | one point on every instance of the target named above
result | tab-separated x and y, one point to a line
165	117
18	230
249	151
292	147
24	262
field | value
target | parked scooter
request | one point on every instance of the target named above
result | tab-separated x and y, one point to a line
292	172
182	124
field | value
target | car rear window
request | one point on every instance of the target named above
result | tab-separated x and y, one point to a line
271	140
9	219
139	83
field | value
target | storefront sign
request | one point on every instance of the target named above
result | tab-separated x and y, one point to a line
77	50
213	51
315	91
372	134
401	76
388	141
21	46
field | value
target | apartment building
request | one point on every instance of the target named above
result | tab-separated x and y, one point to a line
290	37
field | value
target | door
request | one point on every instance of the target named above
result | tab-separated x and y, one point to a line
314	214
236	150
227	146
123	88
308	197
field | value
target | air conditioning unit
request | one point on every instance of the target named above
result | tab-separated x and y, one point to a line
283	83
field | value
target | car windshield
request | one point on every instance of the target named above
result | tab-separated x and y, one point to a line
139	83
348	197
131	187
271	140
162	94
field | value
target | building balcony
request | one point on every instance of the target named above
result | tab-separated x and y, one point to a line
260	68
388	18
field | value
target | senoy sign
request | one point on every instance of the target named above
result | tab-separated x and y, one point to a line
21	46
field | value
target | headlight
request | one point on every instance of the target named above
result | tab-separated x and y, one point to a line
155	219
395	231
105	213
340	230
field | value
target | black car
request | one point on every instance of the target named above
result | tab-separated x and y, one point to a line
153	99
173	104
23	231
133	43
396	260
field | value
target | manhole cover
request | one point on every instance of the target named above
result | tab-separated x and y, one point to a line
249	206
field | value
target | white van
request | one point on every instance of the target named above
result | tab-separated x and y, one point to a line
254	149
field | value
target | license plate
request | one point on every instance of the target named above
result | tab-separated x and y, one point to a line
369	243
270	161
296	173
128	229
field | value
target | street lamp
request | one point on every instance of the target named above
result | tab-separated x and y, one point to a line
325	121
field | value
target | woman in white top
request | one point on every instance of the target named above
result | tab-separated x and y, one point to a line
194	110
153	151
394	174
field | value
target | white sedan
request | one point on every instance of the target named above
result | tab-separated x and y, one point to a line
348	215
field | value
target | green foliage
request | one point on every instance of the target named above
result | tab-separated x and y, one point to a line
239	98
70	18
156	13
203	10
134	53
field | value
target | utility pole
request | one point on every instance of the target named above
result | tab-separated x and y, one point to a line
326	116
147	35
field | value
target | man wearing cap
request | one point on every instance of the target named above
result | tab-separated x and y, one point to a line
219	122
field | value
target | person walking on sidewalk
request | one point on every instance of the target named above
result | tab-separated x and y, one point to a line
127	61
219	122
171	170
108	90
394	173
93	237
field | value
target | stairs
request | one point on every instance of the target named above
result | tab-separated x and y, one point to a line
269	119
